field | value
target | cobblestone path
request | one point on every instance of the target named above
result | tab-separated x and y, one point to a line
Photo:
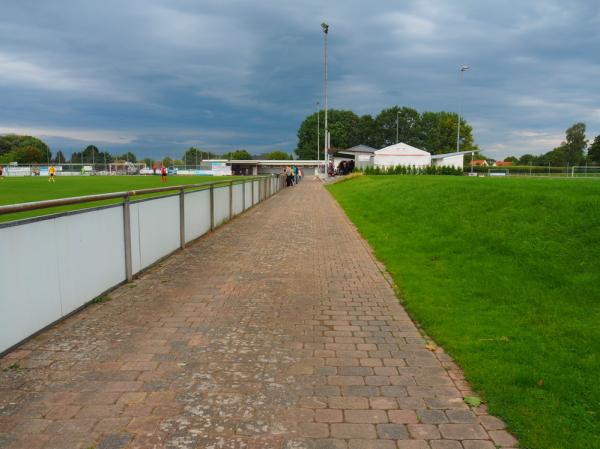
277	331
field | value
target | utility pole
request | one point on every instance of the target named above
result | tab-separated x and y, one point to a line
463	69
325	28
318	131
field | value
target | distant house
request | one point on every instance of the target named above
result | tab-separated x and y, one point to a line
503	163
479	163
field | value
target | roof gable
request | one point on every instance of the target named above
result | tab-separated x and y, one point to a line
402	149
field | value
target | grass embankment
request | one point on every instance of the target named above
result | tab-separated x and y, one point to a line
37	188
505	275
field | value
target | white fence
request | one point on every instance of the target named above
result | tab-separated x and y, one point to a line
50	266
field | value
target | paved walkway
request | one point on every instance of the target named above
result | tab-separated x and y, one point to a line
277	331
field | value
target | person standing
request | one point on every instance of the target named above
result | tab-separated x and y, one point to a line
1	172
51	173
295	174
163	174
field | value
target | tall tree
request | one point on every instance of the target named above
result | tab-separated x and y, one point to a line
167	161
277	155
398	124
593	154
575	144
238	155
343	127
11	143
438	133
59	158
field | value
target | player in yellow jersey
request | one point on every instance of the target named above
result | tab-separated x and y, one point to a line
51	173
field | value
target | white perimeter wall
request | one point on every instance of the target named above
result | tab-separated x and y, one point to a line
392	161
51	266
450	161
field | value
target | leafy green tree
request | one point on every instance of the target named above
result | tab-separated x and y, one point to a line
277	156
438	133
238	155
344	128
59	158
593	154
29	155
512	159
405	120
129	156
167	161
527	159
575	144
148	161
22	148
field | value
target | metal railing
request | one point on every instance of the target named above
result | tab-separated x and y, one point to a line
265	190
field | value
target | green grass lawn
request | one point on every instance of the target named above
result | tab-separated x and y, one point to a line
505	275
37	188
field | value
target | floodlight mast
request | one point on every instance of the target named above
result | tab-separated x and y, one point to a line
318	131
325	28
463	69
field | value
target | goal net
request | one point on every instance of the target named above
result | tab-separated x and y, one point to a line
585	172
498	172
125	168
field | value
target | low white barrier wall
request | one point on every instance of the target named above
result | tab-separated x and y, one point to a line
52	265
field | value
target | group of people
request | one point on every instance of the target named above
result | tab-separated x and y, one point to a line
293	175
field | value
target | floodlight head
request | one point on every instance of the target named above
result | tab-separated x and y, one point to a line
325	27
464	68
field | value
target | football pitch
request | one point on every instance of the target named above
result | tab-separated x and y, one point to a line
505	275
37	188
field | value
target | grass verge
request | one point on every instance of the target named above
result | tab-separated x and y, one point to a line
505	275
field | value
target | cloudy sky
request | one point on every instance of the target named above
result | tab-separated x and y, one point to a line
157	76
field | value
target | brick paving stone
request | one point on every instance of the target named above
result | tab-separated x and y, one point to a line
353	431
445	444
503	438
491	423
371	444
432	416
366	416
115	441
413	444
423	431
478	444
329	415
349	402
392	431
463	432
225	344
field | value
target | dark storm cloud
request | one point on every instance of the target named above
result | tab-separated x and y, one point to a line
159	76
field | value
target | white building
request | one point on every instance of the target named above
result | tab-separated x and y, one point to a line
455	160
401	154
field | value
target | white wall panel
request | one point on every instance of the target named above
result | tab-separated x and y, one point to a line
238	199
49	268
256	190
248	195
197	214
91	255
29	281
158	222
221	205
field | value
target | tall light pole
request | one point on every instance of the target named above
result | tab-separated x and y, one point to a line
325	28
463	69
318	130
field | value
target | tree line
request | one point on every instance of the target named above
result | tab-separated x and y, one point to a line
572	151
31	150
431	131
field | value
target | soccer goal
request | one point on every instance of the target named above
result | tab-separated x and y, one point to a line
585	172
498	172
125	168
